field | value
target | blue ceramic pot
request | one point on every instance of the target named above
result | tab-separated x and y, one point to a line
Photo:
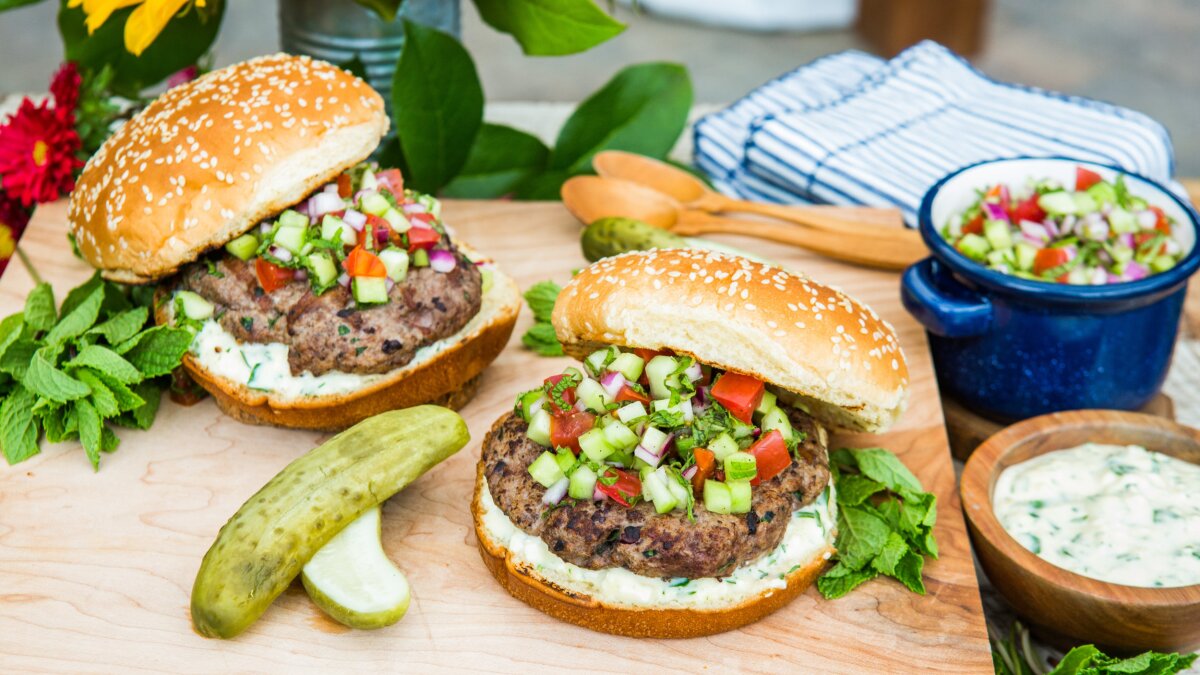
1011	348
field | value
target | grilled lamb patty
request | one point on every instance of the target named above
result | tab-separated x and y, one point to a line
596	535
324	332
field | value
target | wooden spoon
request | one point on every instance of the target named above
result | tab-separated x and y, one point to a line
692	193
590	198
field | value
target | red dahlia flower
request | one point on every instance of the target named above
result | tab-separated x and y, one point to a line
38	149
65	88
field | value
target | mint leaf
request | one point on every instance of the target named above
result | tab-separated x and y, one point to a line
882	466
79	320
108	440
126	398
891	553
541	339
501	159
643	109
437	106
39	308
840	580
106	361
77	295
18	429
90	430
54	423
102	397
550	27
908	571
853	490
10	330
861	536
16	357
156	351
541	298
51	383
122	326
142	416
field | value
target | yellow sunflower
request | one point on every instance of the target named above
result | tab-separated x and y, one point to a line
143	25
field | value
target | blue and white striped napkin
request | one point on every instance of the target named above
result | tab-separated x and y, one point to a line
851	129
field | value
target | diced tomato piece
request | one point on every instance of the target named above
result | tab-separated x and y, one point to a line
1026	210
647	354
1049	258
628	393
363	263
1143	237
974	225
422	237
1085	178
740	394
375	234
345	186
568	396
706	465
1161	223
424	217
565	430
624	489
272	277
771	456
392	181
998	194
1064	278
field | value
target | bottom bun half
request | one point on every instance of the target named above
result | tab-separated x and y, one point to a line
523	581
449	378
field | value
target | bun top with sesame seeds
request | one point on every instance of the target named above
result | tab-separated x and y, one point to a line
834	355
209	159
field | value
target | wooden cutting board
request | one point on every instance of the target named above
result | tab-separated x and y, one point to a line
96	569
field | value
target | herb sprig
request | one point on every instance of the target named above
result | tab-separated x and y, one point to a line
885	522
540	337
70	372
1015	655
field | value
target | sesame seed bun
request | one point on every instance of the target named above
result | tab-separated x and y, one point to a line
208	160
834	355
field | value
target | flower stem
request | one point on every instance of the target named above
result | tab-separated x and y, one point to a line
37	278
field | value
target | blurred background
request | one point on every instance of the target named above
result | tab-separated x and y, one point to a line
1140	54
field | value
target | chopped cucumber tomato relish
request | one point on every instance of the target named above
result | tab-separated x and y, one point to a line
1097	233
644	425
362	231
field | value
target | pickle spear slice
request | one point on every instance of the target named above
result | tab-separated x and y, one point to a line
266	543
354	581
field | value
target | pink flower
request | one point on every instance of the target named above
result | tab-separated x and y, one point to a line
38	149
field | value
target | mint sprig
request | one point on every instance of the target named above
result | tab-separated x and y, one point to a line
70	372
540	337
885	522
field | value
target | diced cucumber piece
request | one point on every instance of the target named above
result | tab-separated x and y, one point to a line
307	248
740	466
244	247
1058	203
374	203
528	403
657	371
595	446
292	218
431	204
766	405
1162	263
336	229
583	482
420	258
777	419
1122	221
1137	203
592	394
998	259
1026	254
1084	202
486	283
396	220
596	360
369	290
629	365
368	181
1121	253
620	436
654	488
194	307
740	494
291	238
997	234
974	247
717	497
723	446
322	269
653	440
539	428
566	460
1079	276
631	411
1103	192
678	491
684	408
395	260
545	470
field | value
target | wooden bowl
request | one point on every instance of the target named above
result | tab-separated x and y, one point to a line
1062	603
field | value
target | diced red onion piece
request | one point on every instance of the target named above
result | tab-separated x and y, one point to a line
1033	230
1099	276
1126	239
331	188
1113	279
301	275
354	219
995	212
647	456
414	207
556	492
691	472
1051	227
344	280
1147	219
389	284
1033	241
281	253
612	382
265	228
324	202
1135	271
382	237
580	405
597	495
441	260
694	372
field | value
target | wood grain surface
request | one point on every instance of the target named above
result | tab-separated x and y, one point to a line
96	569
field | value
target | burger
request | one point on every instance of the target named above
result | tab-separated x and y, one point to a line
676	483
319	289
